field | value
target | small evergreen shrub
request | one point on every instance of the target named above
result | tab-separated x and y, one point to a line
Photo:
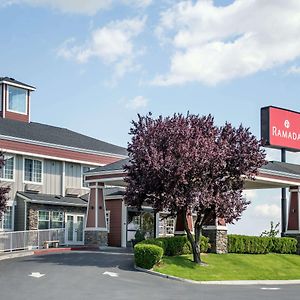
260	245
146	256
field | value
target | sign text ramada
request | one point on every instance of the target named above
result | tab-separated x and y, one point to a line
280	128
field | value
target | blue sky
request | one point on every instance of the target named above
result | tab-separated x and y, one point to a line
98	63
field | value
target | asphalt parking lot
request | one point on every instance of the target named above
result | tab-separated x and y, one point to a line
95	275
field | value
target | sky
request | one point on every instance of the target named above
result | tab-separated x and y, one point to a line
98	63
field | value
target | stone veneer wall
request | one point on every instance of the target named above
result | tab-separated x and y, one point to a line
95	238
33	208
217	239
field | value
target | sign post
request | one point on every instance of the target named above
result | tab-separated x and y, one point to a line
280	129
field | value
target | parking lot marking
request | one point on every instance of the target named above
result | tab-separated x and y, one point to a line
111	274
36	275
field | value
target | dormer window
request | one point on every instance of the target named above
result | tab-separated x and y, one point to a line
17	100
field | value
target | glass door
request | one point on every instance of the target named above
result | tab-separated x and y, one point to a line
79	229
74	229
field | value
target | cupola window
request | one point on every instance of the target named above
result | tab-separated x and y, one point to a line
17	99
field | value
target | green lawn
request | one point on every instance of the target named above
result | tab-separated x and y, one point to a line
233	267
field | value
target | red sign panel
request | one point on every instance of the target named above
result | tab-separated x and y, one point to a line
280	128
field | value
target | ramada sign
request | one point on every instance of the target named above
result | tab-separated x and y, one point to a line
280	128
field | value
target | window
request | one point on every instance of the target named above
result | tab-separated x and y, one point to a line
50	220
6	220
44	219
7	170
17	100
166	226
85	169
33	170
57	219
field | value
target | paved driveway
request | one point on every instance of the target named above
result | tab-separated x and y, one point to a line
94	275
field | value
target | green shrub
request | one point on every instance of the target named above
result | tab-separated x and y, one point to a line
160	242
146	256
260	245
204	244
176	245
284	245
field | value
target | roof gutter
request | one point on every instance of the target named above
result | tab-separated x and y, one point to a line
45	144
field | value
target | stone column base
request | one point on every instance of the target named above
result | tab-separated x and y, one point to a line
95	238
217	239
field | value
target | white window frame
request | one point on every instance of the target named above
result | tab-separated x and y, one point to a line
164	226
14	168
82	177
42	171
1	96
7	100
107	219
12	207
49	218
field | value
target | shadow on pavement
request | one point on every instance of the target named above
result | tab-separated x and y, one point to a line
84	258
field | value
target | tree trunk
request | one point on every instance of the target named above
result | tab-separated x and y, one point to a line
194	241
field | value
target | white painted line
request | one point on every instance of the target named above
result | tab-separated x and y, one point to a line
36	275
111	274
270	289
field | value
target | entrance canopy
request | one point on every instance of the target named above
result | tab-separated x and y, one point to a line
273	175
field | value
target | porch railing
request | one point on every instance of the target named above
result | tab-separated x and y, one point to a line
29	239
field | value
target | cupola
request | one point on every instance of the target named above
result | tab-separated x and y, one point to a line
15	99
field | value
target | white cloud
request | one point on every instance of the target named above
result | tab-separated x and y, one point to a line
137	103
214	44
249	194
267	210
293	70
138	3
113	44
88	7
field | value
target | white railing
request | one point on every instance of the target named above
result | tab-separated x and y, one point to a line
29	239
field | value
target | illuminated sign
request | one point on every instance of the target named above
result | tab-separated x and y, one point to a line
280	128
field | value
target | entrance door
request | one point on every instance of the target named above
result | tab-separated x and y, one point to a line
74	229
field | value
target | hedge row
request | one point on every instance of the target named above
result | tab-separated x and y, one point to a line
177	245
261	245
146	252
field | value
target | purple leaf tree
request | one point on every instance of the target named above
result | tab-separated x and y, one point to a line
186	164
3	191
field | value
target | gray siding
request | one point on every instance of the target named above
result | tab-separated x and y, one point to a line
52	177
51	183
73	175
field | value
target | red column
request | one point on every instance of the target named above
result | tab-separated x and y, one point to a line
293	218
179	228
96	214
95	232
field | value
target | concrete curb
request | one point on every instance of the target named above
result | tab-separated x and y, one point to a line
16	255
225	282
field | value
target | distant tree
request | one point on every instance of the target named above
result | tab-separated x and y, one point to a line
3	191
273	231
187	164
